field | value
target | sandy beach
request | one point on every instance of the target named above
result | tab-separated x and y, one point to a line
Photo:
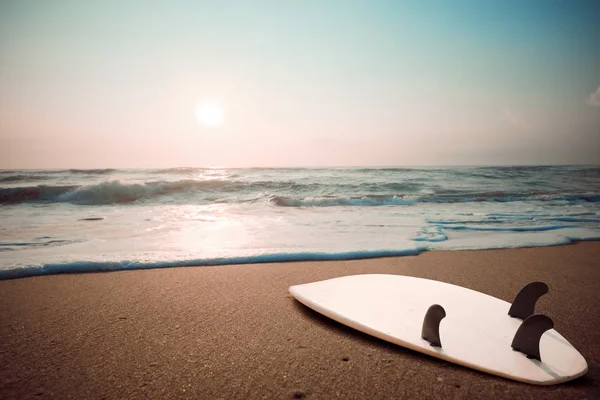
235	332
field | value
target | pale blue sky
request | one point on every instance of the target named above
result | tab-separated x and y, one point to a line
301	83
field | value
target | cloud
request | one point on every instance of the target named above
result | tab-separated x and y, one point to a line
594	99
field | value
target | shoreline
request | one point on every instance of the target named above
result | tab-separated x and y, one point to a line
86	267
235	332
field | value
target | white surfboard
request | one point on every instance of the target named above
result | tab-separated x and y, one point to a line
477	331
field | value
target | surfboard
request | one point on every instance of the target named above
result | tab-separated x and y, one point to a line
477	331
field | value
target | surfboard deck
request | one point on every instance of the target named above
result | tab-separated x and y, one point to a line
476	333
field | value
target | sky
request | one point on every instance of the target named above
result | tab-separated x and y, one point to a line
121	84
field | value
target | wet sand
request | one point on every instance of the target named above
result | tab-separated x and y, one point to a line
235	332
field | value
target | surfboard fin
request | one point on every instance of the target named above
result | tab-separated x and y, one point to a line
524	304
431	325
527	338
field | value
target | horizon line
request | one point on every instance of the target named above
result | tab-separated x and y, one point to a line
310	167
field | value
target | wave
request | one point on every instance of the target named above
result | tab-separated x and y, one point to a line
394	169
410	199
574	219
500	196
16	171
93	266
22	178
97	171
434	237
279	193
330	201
538	228
33	194
180	170
92	171
116	192
103	193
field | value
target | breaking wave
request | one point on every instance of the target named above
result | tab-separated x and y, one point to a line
111	192
369	200
116	192
278	193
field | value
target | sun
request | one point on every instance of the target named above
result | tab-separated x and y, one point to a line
210	113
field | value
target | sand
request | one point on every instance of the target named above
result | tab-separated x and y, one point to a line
235	332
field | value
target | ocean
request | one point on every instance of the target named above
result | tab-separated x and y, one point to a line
56	221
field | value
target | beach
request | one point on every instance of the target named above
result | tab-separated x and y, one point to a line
235	331
169	170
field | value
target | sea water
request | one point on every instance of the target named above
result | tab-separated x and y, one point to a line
109	219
